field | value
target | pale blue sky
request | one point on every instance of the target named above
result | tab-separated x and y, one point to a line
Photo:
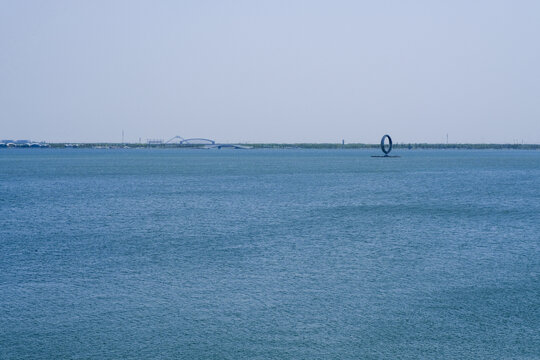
270	71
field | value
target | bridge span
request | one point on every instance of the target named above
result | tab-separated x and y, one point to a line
227	146
190	141
207	143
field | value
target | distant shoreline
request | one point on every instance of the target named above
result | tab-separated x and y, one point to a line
406	146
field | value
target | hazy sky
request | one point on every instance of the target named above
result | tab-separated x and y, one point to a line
270	71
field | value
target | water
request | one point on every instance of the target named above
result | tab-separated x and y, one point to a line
269	254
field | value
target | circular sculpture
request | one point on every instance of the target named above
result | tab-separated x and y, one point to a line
384	148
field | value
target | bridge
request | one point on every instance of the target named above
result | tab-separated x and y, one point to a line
192	141
207	143
227	146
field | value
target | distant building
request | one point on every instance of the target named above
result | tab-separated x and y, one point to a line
22	143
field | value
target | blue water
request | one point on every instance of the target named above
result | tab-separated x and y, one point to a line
269	254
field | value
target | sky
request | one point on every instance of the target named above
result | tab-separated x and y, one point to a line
270	71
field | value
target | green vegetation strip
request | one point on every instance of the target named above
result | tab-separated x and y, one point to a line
410	146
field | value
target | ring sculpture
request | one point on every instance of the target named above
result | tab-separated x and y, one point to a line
386	150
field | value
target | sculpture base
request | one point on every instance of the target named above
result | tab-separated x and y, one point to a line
385	156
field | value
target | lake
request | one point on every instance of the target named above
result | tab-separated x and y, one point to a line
269	254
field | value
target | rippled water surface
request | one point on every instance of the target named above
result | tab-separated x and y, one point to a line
258	254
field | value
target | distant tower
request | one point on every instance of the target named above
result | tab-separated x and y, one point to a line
122	136
446	139
343	142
